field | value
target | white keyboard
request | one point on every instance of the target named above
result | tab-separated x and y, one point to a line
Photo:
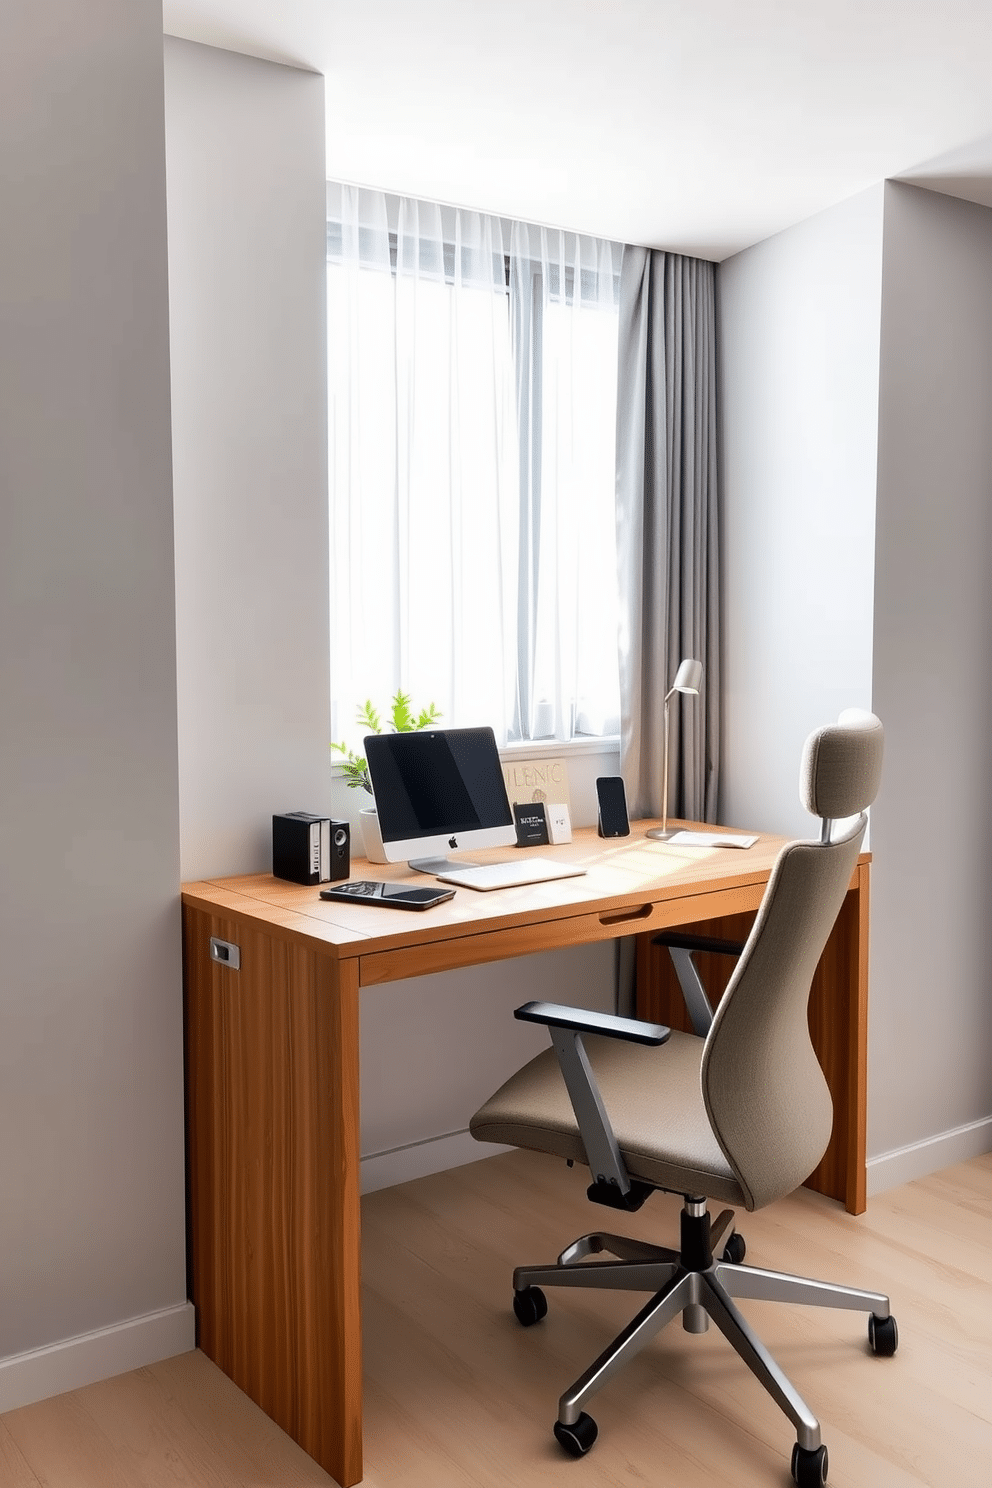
508	875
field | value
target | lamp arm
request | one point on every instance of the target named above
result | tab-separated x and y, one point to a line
664	781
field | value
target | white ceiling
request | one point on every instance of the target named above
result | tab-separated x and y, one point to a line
696	125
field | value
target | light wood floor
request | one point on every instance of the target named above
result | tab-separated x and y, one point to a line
459	1396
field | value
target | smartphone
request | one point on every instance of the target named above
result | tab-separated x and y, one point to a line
612	807
392	895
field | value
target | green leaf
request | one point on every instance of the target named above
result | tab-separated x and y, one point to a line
402	716
426	717
368	716
353	766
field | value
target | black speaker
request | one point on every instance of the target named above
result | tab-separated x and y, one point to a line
309	849
612	807
340	864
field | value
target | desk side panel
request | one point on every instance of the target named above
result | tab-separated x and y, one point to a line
272	1173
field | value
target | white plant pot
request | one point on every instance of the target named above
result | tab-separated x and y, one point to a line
371	836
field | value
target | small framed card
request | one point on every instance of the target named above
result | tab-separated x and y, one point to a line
559	826
531	823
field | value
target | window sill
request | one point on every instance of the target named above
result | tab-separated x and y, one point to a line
559	748
525	749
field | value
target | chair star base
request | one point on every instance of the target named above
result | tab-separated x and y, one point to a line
702	1288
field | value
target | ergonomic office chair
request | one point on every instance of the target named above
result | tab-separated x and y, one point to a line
741	1116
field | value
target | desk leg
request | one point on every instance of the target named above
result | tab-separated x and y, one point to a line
273	1219
838	1024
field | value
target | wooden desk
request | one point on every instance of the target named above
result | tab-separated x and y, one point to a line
272	1083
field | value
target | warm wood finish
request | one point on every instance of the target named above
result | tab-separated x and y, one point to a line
625	879
272	1086
272	1095
177	1424
459	1396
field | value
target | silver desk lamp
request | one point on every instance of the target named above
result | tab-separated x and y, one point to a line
687	679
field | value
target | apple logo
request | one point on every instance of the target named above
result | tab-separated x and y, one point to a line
452	841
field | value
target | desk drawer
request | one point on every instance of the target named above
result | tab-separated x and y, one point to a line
500	942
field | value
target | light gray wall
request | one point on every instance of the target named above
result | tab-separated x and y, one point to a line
91	1077
247	276
931	1026
799	337
857	477
245	150
436	1047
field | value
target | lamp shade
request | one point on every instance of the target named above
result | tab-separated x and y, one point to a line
687	679
688	676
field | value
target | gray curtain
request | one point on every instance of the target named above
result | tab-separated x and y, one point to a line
667	536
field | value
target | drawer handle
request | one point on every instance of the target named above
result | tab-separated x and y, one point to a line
619	917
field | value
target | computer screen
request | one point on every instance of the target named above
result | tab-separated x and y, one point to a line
438	791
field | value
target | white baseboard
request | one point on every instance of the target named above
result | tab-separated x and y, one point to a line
74	1362
890	1169
418	1159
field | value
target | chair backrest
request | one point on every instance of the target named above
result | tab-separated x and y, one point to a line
765	1093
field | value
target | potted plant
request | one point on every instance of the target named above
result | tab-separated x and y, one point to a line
401	719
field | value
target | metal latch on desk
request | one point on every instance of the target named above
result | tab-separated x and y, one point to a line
225	952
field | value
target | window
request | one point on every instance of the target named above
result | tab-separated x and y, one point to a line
472	410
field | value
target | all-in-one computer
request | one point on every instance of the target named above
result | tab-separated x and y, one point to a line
442	790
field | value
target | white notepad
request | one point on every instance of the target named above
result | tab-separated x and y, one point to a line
711	839
508	875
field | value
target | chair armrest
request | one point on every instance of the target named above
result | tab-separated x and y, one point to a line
681	948
612	1184
675	939
555	1015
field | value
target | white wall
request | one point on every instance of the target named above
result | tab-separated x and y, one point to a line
798	320
92	1245
434	1048
245	150
857	378
931	1024
246	195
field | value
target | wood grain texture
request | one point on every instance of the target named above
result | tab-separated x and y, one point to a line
272	1089
272	1117
14	1470
459	1396
624	874
174	1424
550	934
838	1024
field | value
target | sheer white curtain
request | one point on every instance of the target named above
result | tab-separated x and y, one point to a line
466	555
564	293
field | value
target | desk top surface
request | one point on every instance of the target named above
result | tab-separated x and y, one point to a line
627	880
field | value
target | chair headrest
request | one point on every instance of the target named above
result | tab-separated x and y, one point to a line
842	765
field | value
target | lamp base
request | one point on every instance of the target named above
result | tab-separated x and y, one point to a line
662	834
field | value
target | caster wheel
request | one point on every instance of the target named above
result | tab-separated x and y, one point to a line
735	1250
530	1306
809	1469
579	1438
883	1336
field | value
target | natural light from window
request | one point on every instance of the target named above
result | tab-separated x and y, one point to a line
472	412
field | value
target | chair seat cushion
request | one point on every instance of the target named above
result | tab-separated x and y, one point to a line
653	1091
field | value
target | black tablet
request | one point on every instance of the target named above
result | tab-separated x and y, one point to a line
392	895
